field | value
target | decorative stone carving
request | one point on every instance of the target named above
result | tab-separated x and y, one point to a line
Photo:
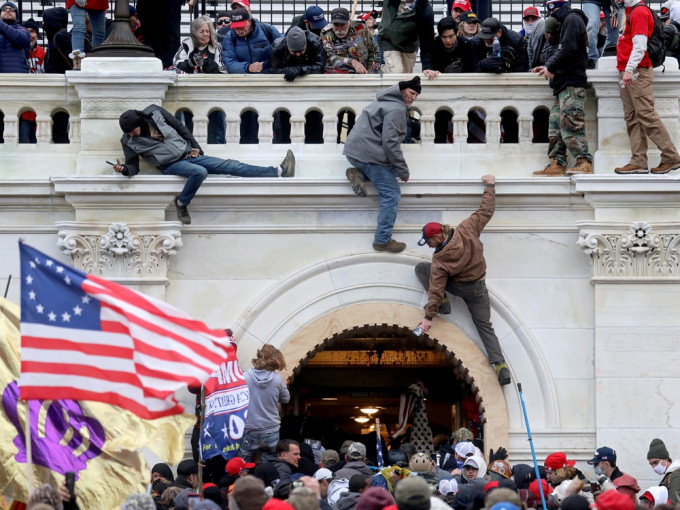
638	253
111	108
120	253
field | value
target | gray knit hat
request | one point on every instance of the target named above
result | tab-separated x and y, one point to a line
296	39
657	450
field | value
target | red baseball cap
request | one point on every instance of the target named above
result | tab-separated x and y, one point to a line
242	3
464	5
556	461
430	230
531	11
533	488
236	465
613	500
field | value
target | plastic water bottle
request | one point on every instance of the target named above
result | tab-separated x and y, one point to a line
496	47
418	331
635	77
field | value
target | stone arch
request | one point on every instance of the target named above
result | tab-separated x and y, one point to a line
329	296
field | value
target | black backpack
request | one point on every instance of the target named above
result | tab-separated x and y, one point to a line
656	44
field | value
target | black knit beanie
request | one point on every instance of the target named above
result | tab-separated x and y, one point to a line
130	120
413	84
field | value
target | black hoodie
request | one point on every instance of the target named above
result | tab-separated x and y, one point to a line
568	63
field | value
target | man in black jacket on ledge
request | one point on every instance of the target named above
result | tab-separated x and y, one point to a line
298	53
159	137
566	70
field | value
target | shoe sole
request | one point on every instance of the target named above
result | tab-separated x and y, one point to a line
548	175
674	167
289	164
641	171
358	186
578	173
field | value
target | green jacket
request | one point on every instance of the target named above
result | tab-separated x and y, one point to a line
405	25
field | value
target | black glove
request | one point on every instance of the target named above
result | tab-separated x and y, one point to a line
492	65
291	73
501	454
454	67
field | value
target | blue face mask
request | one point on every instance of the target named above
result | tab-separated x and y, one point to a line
598	471
460	463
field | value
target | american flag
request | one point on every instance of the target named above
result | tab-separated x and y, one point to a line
86	338
378	445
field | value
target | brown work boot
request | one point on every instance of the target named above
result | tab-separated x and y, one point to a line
554	169
357	182
630	169
583	166
391	246
664	168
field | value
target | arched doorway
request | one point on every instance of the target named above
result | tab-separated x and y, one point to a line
359	374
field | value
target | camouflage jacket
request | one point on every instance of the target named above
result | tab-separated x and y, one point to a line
358	44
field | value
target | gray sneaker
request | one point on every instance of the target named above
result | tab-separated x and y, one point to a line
356	181
288	165
391	246
182	213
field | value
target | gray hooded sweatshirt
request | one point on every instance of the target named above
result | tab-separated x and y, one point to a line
266	390
377	134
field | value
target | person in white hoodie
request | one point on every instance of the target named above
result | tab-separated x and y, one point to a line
267	390
654	496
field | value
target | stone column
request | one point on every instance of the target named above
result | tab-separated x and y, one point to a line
106	88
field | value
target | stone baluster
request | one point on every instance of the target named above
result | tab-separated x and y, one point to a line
74	129
330	129
460	128
201	129
233	128
297	129
266	128
526	128
493	129
427	128
11	133
43	132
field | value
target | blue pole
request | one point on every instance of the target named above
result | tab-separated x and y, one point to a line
531	443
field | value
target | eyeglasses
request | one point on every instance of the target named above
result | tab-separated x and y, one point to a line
8	9
222	22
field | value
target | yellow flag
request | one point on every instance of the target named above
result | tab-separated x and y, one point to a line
100	443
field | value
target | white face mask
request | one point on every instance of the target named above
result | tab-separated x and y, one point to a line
660	469
628	3
528	28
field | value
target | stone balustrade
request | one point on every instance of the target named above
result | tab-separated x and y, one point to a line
513	111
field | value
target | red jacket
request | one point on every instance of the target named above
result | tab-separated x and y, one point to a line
640	23
95	5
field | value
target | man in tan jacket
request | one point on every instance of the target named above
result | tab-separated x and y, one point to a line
458	266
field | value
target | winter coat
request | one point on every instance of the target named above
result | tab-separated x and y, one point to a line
267	389
625	484
15	41
354	467
535	43
210	56
36	59
377	134
239	52
405	31
358	45
347	501
452	60
671	480
55	21
462	258
95	5
570	60
514	56
312	62
176	144
285	470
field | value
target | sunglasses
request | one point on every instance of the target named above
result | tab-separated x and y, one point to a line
8	9
222	22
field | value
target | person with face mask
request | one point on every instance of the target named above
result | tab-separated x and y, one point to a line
662	464
609	476
533	31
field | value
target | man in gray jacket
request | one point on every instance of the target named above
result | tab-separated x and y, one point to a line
159	137
373	148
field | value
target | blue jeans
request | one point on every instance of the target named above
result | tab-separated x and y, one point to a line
384	178
254	441
27	131
197	169
97	21
592	12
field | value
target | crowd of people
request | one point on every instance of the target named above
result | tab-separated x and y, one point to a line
455	474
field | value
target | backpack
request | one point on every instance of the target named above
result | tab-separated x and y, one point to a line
672	36
656	44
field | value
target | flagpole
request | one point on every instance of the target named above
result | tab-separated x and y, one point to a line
200	431
29	447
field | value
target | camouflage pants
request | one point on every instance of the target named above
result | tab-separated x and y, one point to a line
567	128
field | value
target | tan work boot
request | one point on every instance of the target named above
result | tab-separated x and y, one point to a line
554	169
583	166
391	246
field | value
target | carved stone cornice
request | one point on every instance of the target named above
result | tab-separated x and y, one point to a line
120	251
636	254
